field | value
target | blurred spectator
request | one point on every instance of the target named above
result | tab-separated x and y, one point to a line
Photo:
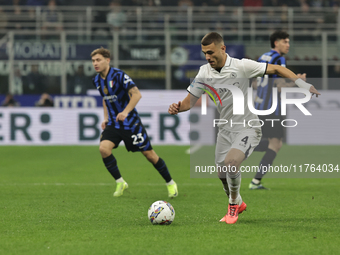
52	19
36	81
169	2
45	101
3	19
334	76
184	4
335	72
9	101
315	3
252	3
271	17
17	83
220	19
79	83
36	2
102	2
16	19
13	2
215	3
116	17
80	2
305	23
332	17
233	2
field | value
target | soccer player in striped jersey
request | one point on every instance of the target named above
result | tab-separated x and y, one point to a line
122	122
271	136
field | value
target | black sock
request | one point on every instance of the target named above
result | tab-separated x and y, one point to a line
163	170
111	165
266	161
263	145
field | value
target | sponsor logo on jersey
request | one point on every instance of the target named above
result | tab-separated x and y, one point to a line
233	75
112	98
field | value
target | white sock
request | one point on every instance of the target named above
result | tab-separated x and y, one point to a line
170	182
239	200
234	182
120	180
255	181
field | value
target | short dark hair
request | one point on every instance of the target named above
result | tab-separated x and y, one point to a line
102	51
277	35
212	37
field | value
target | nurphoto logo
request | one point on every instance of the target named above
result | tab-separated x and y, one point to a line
238	103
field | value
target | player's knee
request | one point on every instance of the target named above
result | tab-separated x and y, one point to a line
104	151
151	156
275	144
280	145
231	165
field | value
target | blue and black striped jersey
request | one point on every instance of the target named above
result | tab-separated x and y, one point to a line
114	89
265	84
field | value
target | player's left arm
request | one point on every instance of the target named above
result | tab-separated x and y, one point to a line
135	96
286	73
284	83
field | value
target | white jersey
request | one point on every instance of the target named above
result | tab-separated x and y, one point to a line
237	73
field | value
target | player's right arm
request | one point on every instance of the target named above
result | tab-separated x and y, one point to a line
106	116
195	92
188	102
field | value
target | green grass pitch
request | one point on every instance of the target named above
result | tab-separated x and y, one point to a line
58	200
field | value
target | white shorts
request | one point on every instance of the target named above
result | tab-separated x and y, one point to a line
245	141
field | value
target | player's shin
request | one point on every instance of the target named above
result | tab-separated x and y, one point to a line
265	163
234	182
163	170
223	177
111	165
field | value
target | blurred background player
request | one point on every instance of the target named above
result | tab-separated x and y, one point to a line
122	122
272	137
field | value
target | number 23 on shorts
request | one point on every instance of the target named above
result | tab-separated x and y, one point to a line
137	139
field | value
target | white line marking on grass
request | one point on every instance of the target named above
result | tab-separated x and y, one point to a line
140	184
193	149
99	184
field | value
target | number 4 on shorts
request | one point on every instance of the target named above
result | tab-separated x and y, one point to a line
245	140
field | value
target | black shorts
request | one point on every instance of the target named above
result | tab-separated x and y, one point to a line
271	132
134	141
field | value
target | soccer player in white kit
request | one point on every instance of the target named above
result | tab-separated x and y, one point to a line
234	142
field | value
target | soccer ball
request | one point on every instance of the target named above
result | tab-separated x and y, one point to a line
161	212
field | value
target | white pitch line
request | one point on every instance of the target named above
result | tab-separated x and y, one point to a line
143	184
193	149
99	184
